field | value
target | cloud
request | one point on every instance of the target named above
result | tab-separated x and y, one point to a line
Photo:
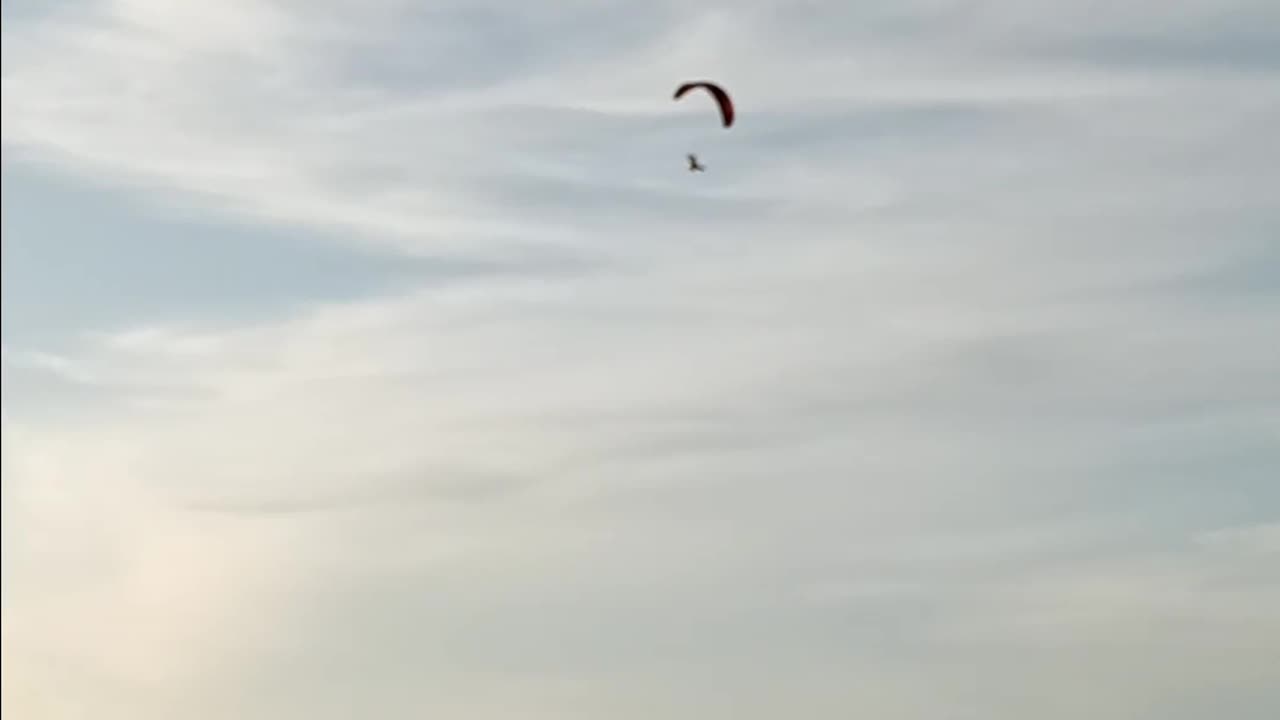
948	390
1261	539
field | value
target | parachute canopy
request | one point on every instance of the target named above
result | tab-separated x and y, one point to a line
717	92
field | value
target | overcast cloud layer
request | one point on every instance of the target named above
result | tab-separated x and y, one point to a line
380	359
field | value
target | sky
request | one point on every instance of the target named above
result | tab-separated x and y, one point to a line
375	358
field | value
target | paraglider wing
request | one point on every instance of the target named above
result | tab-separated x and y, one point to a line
717	92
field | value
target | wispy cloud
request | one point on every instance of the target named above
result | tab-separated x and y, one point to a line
949	390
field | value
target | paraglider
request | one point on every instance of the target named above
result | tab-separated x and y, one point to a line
721	97
723	102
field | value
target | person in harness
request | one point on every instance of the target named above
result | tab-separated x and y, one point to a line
694	166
